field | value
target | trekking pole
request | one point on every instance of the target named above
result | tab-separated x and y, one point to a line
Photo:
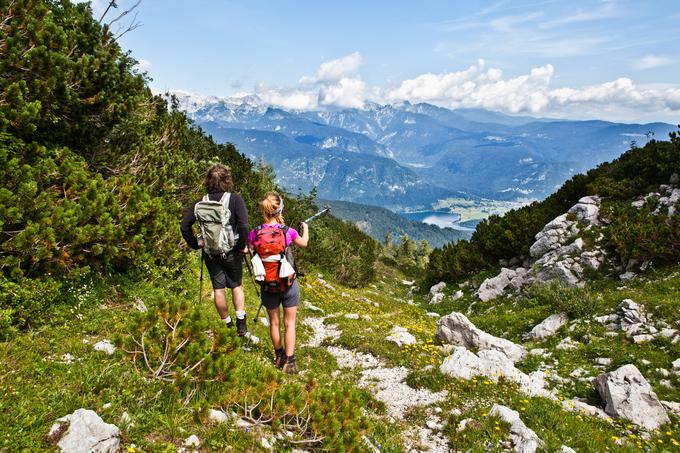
325	209
252	277
200	284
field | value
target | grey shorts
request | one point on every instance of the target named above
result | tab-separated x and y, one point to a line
289	299
225	272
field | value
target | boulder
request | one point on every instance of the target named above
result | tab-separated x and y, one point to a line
401	336
627	394
548	327
495	286
457	295
524	439
492	364
672	407
567	344
105	346
574	405
457	330
216	416
436	294
587	210
437	298
192	441
84	431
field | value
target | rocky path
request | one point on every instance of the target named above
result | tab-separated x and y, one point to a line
388	385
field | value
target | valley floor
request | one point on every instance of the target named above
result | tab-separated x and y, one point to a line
344	341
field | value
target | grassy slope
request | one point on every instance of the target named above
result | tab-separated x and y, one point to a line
36	388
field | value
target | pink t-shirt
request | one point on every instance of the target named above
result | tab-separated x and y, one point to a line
291	234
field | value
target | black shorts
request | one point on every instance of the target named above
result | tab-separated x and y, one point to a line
225	272
290	298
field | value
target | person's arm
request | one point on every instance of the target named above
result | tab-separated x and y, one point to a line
240	214
302	239
186	227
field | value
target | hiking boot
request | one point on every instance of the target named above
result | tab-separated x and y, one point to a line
241	328
280	359
230	324
290	368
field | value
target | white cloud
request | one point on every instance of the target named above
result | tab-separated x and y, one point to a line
651	61
335	70
336	85
346	93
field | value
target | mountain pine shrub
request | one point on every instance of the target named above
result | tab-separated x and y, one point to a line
177	342
636	172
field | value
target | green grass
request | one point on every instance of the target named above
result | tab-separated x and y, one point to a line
36	388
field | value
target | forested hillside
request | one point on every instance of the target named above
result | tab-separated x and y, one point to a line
378	222
632	234
95	170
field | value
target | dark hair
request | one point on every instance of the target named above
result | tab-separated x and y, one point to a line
218	179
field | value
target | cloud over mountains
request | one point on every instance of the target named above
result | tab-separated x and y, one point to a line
338	83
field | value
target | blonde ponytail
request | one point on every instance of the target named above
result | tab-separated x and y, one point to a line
272	207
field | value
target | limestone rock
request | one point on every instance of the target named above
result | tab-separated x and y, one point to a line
216	416
84	431
493	365
524	439
457	295
437	293
495	286
437	298
567	344
627	394
401	336
575	405
192	441
587	210
105	346
672	406
457	329
548	327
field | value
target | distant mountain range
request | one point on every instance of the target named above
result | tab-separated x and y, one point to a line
412	155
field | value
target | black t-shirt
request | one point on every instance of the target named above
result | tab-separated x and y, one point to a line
238	220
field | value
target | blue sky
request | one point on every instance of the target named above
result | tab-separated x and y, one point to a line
614	59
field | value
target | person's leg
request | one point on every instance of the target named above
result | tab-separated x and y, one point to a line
221	302
233	268
274	327
218	279
289	315
238	298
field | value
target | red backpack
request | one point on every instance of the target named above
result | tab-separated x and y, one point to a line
270	245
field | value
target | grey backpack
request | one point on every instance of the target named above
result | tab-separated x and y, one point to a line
213	220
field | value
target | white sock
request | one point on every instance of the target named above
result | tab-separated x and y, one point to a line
240	314
227	320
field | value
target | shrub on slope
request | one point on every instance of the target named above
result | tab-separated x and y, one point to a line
636	172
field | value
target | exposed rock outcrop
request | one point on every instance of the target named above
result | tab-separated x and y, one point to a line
493	365
456	329
557	254
627	394
524	439
436	295
632	319
401	336
84	431
548	327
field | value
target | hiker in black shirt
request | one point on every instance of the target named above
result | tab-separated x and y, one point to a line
226	271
